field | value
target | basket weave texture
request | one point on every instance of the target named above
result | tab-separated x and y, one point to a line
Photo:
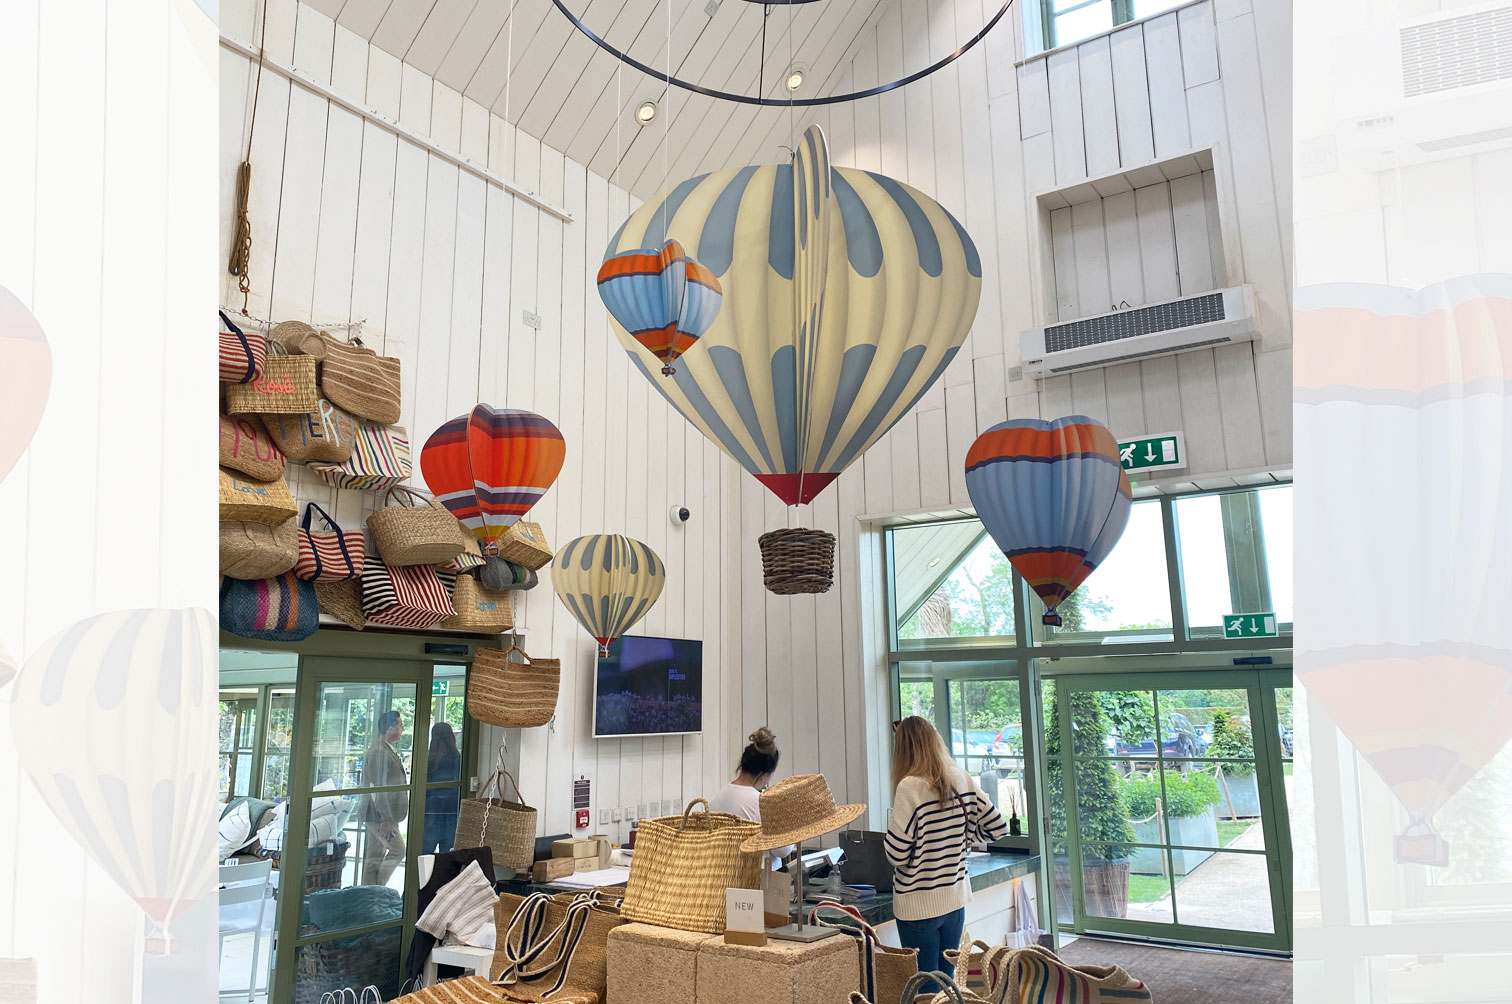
255	501
683	865
480	609
251	550
246	446
797	560
524	543
420	534
543	952
477	990
779	972
360	380
510	689
343	601
507	828
286	387
653	965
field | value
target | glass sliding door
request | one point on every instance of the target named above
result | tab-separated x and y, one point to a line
355	825
1168	805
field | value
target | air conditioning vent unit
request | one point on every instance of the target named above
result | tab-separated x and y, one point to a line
1433	87
1222	317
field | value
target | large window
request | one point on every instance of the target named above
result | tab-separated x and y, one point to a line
1066	22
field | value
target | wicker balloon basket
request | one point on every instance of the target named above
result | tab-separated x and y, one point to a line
797	561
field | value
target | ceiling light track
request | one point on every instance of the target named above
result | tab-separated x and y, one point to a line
784	102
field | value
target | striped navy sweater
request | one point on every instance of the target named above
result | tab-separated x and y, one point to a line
927	844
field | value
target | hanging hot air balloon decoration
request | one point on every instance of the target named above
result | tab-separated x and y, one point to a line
846	295
664	299
1054	497
24	379
138	680
490	466
607	582
1419	679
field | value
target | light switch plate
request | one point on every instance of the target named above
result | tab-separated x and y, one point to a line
619	815
642	813
603	816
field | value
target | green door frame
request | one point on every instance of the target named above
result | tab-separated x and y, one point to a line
1260	685
314	671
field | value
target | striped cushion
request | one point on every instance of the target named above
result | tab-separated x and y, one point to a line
464	908
413	596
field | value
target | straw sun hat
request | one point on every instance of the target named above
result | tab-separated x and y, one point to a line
799	808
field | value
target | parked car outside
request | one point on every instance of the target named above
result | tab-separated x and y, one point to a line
1180	742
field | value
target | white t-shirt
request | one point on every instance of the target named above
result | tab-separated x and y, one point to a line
744	801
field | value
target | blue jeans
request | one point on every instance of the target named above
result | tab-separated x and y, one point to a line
932	937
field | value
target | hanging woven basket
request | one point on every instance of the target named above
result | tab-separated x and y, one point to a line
797	561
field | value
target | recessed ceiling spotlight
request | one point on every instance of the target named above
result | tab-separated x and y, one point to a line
795	78
935	562
646	112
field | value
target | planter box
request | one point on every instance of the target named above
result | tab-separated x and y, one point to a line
1201	830
1245	793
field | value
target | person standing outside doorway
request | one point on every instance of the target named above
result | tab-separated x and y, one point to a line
384	812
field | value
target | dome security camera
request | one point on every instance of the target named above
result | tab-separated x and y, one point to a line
679	515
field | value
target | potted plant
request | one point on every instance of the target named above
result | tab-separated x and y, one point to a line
1238	791
1188	802
1102	820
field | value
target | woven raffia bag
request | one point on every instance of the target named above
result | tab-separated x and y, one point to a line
683	865
285	387
551	946
524	543
245	446
478	990
884	970
255	501
325	434
980	967
420	534
510	689
479	609
951	993
343	601
256	550
797	561
1036	973
360	380
504	827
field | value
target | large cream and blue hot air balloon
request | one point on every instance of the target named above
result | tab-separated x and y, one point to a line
846	294
1054	497
607	582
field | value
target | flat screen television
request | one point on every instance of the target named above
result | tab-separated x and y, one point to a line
649	687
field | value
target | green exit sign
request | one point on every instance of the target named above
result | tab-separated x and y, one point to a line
440	688
1249	626
1152	453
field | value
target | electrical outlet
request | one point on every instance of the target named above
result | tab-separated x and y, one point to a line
531	319
619	815
603	817
642	813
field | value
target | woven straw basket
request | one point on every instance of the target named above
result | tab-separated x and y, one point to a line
504	827
256	550
683	865
480	609
797	561
343	601
477	990
423	534
246	446
286	387
360	380
524	543
510	689
255	501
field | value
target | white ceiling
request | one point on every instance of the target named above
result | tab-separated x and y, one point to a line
561	88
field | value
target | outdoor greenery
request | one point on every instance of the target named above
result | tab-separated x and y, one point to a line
1102	816
1232	738
1186	794
1131	713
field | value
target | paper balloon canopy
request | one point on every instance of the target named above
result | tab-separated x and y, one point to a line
1054	497
24	379
664	299
607	582
490	466
140	681
846	294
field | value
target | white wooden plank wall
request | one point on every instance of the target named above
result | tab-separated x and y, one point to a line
351	222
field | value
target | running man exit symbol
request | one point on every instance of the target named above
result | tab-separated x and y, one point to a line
1152	453
1259	625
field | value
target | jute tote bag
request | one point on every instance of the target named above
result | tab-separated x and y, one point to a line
511	690
548	946
479	609
683	865
241	355
324	435
380	460
285	387
505	827
884	969
256	501
524	543
414	596
343	601
282	608
245	446
414	531
360	380
256	550
327	555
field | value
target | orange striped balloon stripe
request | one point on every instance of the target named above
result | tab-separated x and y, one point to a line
663	340
630	264
1024	443
701	275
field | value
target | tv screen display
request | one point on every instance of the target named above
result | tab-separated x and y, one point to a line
649	687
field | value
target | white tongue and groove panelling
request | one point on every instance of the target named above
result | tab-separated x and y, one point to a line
353	222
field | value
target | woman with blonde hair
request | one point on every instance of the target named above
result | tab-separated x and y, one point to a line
938	812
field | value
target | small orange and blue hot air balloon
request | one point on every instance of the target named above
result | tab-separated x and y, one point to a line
664	299
490	466
1054	497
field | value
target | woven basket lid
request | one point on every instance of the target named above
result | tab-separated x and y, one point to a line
799	808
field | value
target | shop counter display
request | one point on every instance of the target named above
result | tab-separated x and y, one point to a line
779	972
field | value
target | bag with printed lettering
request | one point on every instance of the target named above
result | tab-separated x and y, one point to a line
245	446
325	434
286	386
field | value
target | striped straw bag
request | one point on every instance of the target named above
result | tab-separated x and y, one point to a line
949	992
511	690
277	609
884	969
380	460
328	555
412	596
551	946
1036	973
241	355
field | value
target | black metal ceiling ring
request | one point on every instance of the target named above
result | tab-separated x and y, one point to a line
746	99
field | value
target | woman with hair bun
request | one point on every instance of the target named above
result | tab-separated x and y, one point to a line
742	796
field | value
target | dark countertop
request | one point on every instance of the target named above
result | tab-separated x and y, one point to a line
996	868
